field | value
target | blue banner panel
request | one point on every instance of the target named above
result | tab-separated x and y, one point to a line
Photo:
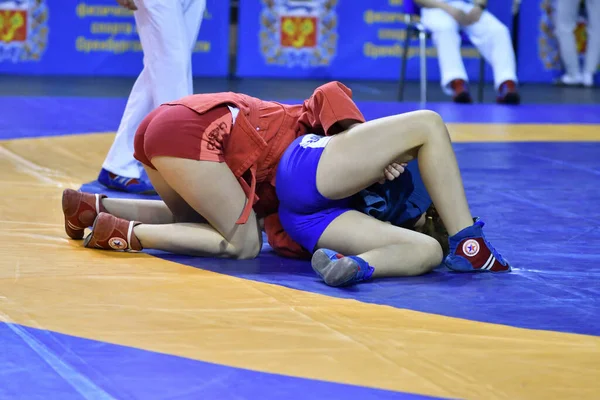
97	37
333	39
539	57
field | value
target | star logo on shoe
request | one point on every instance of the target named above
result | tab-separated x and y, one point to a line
470	247
117	243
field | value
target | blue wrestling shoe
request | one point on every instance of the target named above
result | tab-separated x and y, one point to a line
337	270
124	184
471	252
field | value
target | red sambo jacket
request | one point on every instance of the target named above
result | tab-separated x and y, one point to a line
262	132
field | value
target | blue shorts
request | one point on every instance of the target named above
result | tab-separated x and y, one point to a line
304	212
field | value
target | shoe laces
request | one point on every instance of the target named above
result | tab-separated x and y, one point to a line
495	252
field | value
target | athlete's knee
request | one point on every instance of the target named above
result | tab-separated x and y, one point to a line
433	124
432	255
430	117
434	252
439	22
247	249
426	126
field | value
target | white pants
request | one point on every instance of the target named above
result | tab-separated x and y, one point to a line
566	20
168	30
489	35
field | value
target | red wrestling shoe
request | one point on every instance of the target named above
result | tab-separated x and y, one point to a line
471	252
508	94
112	233
80	209
461	92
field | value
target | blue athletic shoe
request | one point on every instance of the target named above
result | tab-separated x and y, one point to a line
124	184
471	252
337	270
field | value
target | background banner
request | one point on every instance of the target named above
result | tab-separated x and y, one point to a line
325	39
95	37
539	58
334	39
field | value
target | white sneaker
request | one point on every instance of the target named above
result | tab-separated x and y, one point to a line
587	79
570	80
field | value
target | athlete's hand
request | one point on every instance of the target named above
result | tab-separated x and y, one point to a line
392	171
474	15
129	4
459	15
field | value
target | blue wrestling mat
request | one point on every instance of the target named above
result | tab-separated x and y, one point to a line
78	323
556	272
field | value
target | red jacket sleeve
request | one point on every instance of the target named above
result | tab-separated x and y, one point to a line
329	105
280	241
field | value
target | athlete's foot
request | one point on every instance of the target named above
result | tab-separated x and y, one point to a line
508	94
569	80
460	92
587	79
337	270
80	210
125	184
112	233
471	252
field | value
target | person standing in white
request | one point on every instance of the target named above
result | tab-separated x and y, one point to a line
168	30
566	14
444	18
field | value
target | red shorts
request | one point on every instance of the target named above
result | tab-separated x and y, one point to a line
177	131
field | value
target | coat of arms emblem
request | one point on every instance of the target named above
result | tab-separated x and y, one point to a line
23	30
298	32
